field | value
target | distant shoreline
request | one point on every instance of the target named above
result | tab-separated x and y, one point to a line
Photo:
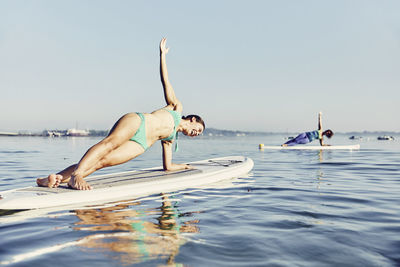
209	132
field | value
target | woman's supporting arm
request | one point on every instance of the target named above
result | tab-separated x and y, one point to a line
167	158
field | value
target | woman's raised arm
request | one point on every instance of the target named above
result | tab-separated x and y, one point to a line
169	93
320	120
321	139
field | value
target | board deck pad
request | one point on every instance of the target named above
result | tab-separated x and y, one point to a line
137	183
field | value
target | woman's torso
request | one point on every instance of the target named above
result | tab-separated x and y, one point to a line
159	124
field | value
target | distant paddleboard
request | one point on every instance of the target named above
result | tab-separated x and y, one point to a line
131	184
305	147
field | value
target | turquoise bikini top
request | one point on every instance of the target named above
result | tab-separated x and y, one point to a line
317	134
174	135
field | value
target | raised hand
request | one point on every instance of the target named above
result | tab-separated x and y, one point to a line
163	48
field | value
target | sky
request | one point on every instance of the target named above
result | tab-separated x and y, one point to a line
241	65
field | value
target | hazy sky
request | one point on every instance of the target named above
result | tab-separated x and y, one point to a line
241	65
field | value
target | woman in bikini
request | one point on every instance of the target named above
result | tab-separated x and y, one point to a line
308	137
131	135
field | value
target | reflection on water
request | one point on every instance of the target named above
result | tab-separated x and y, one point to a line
130	234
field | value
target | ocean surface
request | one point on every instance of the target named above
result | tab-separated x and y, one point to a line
295	208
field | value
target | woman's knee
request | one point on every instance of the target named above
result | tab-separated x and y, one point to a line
106	161
101	164
110	143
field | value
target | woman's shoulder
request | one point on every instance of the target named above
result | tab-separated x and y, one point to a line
176	108
163	112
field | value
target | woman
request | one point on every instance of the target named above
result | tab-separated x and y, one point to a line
308	137
131	135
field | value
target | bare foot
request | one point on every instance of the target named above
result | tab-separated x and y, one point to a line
284	145
78	184
53	180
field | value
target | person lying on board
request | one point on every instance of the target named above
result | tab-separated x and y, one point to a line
308	137
132	135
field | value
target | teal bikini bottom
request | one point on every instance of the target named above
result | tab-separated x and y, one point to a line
140	135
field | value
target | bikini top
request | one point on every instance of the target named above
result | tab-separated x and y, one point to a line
174	135
317	134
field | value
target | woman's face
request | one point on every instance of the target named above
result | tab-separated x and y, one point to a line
194	129
329	133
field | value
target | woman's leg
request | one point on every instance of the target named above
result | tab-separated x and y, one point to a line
300	139
121	132
122	154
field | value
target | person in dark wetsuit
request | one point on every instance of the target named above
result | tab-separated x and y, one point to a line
308	137
132	135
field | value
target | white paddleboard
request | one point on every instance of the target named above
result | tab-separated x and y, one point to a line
305	147
131	184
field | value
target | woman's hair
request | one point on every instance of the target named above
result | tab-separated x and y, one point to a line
328	133
198	119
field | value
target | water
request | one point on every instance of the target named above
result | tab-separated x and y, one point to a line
296	208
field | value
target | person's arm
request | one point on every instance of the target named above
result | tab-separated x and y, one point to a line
320	121
169	93
321	140
167	158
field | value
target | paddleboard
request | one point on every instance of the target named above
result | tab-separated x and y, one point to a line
131	184
305	147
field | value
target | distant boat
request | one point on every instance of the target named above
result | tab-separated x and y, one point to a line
77	132
385	137
52	133
353	137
